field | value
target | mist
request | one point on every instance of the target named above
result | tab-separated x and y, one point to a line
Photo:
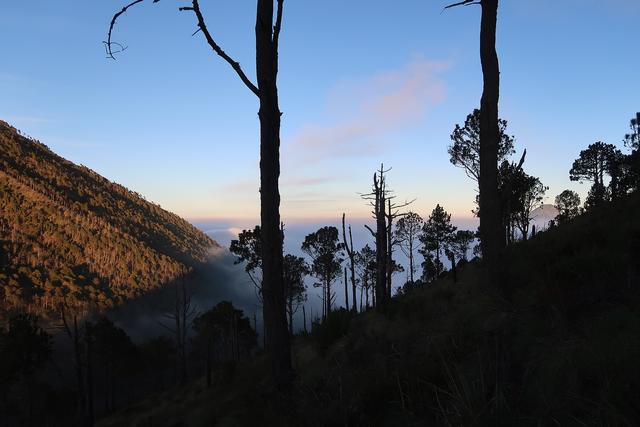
219	279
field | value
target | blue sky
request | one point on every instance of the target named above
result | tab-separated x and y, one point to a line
361	82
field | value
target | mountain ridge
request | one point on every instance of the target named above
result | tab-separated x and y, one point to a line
68	234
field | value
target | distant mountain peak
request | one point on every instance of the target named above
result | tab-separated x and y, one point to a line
545	212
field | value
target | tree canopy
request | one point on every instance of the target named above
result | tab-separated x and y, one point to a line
464	150
568	205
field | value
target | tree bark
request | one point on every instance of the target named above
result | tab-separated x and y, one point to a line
490	215
278	344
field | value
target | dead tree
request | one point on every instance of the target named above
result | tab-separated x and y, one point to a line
385	211
351	254
267	31
377	199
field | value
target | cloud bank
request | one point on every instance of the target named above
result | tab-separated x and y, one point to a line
371	110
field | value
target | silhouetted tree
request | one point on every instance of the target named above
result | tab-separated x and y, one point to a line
431	266
267	31
461	243
592	165
528	195
464	150
378	200
325	250
408	229
295	291
632	139
457	248
597	195
351	253
568	205
436	235
385	211
248	248
367	269
223	333
621	173
393	212
491	230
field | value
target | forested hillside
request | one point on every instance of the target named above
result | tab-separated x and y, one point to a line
68	234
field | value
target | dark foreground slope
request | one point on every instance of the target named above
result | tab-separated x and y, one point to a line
564	350
66	233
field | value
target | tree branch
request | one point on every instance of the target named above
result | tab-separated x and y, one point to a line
278	26
108	44
370	230
217	49
462	3
524	154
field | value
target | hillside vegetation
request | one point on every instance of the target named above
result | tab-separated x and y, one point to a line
66	233
561	349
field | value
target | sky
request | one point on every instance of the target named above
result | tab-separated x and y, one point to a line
361	82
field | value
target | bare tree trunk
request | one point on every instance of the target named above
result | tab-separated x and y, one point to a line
490	215
411	267
328	300
389	226
351	253
278	344
381	242
373	298
346	290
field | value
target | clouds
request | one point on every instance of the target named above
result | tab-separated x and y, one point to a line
369	112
